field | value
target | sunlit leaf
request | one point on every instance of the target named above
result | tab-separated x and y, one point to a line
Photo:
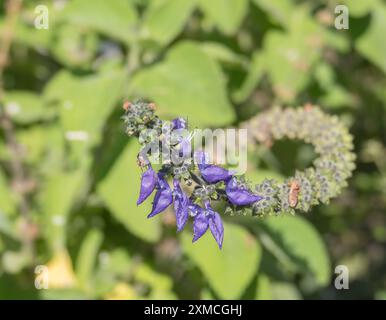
86	260
188	83
84	102
372	43
26	107
226	14
164	19
114	18
301	242
230	270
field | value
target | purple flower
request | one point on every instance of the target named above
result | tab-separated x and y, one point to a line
163	198
211	173
181	205
200	225
239	195
215	224
205	219
148	184
179	123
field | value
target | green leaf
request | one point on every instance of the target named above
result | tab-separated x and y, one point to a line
230	270
73	47
161	284
359	8
301	242
256	71
279	10
57	196
165	19
25	107
7	198
285	291
114	18
188	83
223	54
372	44
226	14
87	256
290	56
85	102
119	190
263	288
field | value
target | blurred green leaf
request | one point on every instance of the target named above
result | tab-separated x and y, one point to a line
285	291
301	242
230	270
359	8
114	18
263	288
7	197
188	83
85	102
279	10
165	19
226	14
26	106
372	44
57	196
119	190
7	226
87	257
288	59
223	54
256	71
161	285
73	47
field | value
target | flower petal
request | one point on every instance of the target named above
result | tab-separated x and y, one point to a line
163	198
213	174
148	184
181	205
240	196
215	223
200	225
179	123
182	215
217	228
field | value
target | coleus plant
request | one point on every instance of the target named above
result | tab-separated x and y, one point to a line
169	142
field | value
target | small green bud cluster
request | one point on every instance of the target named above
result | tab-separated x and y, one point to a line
318	184
139	116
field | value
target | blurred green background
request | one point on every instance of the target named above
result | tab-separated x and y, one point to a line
68	177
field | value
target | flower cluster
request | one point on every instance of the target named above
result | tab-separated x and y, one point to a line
208	183
318	184
197	184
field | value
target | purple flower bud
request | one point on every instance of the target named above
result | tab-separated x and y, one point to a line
213	174
215	224
239	195
163	198
148	184
181	205
179	123
200	225
208	218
